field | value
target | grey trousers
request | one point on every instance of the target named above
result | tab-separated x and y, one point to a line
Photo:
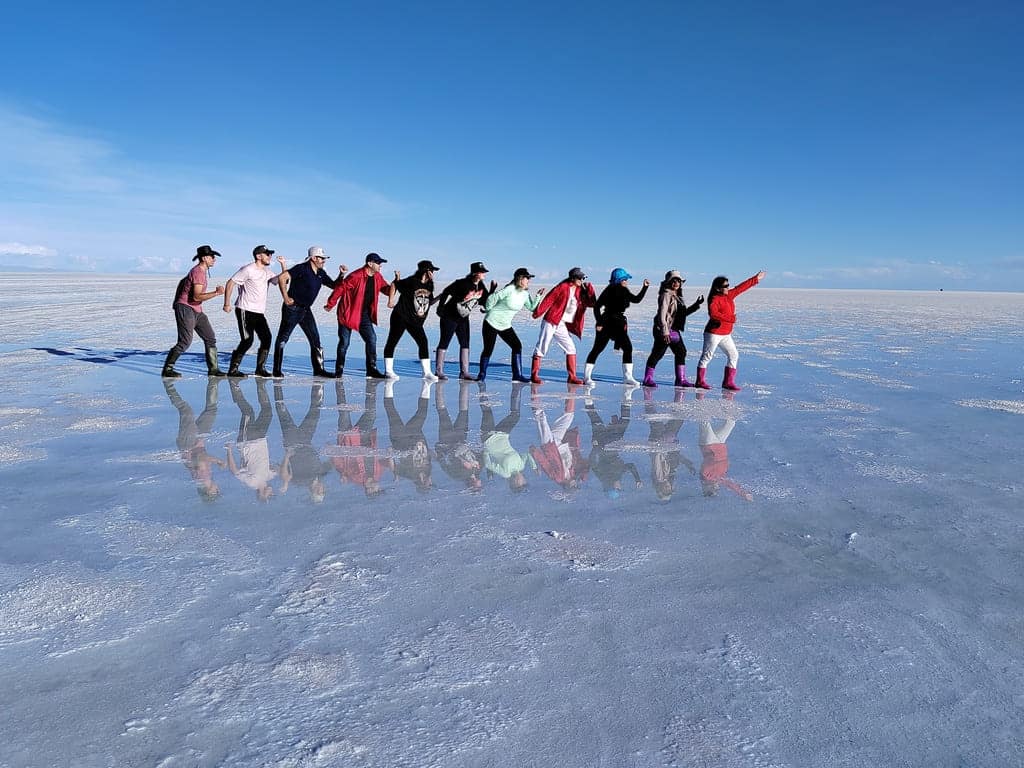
189	323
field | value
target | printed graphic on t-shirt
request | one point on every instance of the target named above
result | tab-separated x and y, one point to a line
421	302
468	304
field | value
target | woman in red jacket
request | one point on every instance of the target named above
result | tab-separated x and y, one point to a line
718	331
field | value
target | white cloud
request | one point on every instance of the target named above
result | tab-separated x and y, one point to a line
21	249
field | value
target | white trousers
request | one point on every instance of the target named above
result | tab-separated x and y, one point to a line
713	341
708	435
556	333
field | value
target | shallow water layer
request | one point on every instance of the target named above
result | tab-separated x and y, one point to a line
822	569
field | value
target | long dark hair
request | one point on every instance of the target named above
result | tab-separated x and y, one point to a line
718	286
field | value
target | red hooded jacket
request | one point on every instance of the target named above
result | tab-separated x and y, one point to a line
553	305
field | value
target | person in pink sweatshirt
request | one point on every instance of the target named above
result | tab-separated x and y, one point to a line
718	331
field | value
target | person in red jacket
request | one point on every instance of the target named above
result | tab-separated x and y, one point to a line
356	299
563	309
718	331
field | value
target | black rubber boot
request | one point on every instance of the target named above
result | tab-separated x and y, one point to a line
482	376
261	361
278	359
168	371
316	357
212	368
236	360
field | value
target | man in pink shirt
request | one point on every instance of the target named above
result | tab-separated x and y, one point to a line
189	315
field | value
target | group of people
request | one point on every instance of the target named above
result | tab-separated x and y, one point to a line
355	297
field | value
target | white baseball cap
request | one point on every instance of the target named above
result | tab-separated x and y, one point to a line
315	251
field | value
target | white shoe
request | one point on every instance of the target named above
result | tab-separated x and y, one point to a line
627	375
428	375
389	368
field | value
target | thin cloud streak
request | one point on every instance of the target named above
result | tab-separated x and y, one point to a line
81	199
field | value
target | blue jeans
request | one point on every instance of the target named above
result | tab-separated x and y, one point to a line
301	316
369	336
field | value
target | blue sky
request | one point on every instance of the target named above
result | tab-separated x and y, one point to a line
861	145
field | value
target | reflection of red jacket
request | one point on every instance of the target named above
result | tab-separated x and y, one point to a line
553	305
715	467
716	461
549	459
355	469
722	309
350	291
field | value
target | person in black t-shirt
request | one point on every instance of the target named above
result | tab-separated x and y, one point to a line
454	306
415	295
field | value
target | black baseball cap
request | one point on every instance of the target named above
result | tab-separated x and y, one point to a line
478	266
375	259
576	273
522	272
427	266
262	249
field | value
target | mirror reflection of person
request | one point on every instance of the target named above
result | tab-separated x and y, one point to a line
606	463
301	463
499	457
253	467
666	455
453	451
413	459
559	454
361	462
714	468
191	445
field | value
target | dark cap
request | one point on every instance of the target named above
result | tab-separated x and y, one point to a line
373	257
204	250
522	272
262	249
478	266
576	273
427	266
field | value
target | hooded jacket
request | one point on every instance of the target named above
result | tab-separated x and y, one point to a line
553	305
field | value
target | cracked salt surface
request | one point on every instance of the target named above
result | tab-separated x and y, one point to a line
244	574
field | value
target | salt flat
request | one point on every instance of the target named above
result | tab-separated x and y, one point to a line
839	583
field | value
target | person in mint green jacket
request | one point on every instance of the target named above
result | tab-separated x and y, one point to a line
501	307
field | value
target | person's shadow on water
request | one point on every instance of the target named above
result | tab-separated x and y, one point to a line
714	468
499	457
191	444
358	459
666	454
413	460
301	463
606	464
453	451
253	467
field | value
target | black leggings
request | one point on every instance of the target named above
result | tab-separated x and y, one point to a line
491	335
660	346
459	327
400	325
612	331
250	323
